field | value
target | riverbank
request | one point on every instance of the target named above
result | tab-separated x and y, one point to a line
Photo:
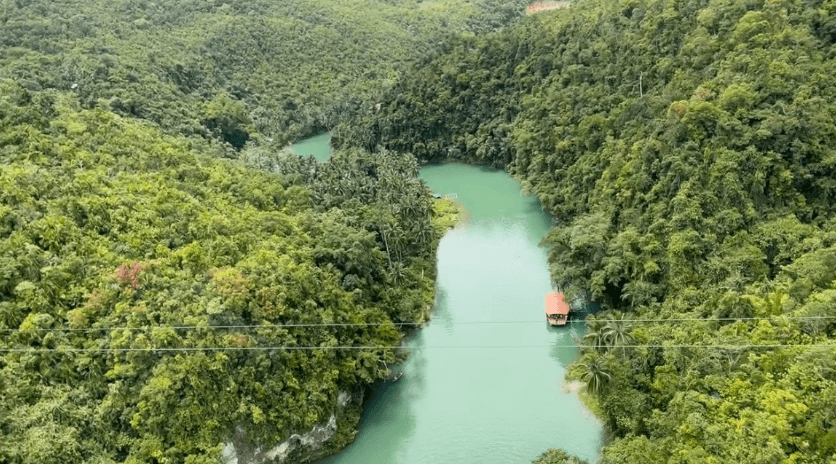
482	382
341	426
447	214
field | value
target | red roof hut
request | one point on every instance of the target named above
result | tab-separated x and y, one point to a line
557	310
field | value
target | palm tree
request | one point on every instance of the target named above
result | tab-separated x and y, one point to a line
617	332
397	272
595	336
596	374
423	231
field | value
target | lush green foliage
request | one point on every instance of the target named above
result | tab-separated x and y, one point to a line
113	234
235	70
686	150
556	456
119	222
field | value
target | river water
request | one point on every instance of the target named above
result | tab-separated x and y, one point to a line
484	381
318	146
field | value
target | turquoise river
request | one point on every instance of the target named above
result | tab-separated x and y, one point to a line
485	379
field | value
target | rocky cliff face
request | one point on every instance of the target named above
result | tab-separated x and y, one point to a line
322	440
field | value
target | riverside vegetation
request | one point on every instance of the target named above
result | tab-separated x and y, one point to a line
684	149
687	153
128	240
118	241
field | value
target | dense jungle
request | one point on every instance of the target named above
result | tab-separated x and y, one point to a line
157	238
163	255
686	151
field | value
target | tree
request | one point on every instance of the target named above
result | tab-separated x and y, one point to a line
595	336
557	456
616	332
594	372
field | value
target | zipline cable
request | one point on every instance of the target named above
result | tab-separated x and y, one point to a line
419	348
403	324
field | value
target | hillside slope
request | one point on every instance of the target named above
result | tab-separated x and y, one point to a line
687	153
231	70
146	287
128	247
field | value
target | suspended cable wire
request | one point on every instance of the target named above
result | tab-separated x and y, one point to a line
219	327
403	324
416	348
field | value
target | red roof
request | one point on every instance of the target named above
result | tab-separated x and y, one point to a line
556	304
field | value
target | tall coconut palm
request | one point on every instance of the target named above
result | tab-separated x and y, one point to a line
595	336
397	272
616	332
422	231
596	375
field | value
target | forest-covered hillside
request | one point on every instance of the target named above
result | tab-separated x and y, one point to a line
144	278
687	153
236	69
144	283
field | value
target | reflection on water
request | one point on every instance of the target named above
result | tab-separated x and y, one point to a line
441	315
484	380
564	336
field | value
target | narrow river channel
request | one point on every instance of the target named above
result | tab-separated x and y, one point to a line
502	402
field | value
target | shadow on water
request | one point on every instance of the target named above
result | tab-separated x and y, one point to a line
389	414
486	169
386	412
441	315
564	336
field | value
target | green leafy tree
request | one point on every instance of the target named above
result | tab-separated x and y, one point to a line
684	152
557	456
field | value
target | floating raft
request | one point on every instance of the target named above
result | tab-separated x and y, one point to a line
557	310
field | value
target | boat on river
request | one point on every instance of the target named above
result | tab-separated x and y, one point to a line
557	310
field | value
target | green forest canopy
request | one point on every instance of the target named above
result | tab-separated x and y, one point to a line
119	221
233	70
113	234
684	149
687	153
